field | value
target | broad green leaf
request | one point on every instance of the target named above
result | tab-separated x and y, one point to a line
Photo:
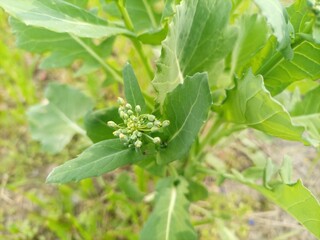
170	218
295	199
79	3
186	108
169	9
96	160
246	46
55	123
198	38
96	124
251	104
62	17
298	201
126	184
304	65
307	113
277	17
132	89
64	48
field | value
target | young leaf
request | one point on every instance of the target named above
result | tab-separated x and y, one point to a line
268	173
132	89
62	17
96	124
251	104
286	170
170	218
54	124
198	38
96	160
186	108
64	48
277	17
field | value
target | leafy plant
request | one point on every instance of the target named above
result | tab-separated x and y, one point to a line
223	65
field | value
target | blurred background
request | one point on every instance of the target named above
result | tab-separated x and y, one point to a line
105	207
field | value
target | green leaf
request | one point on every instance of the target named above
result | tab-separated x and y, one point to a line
246	46
286	170
295	199
54	123
62	17
298	201
197	191
268	173
170	218
64	48
304	65
96	124
126	184
251	104
198	38
144	14
307	114
277	17
186	108
96	160
132	89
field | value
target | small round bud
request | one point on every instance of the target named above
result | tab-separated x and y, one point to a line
116	133
121	101
138	144
157	123
139	134
122	136
151	118
125	116
165	123
133	137
156	140
138	109
130	112
112	124
154	129
128	106
149	125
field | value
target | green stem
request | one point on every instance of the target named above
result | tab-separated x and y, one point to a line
136	43
109	70
150	13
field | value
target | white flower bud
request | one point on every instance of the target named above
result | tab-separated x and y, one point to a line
151	118
156	140
157	123
165	123
149	125
130	112
138	109
128	106
112	124
121	101
154	129
138	144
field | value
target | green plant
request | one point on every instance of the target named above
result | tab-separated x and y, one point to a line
224	66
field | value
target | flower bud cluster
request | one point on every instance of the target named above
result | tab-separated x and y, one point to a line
136	125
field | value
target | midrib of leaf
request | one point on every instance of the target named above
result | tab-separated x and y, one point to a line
70	123
170	211
108	69
186	119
